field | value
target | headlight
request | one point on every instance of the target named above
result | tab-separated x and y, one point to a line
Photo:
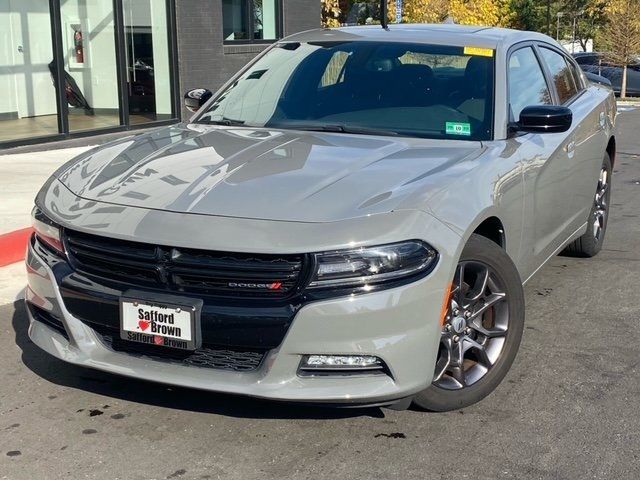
46	230
372	265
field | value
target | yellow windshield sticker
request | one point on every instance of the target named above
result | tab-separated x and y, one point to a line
481	52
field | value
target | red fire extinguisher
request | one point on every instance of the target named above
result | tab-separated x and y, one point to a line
77	40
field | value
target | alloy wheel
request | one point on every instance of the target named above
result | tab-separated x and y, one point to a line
475	327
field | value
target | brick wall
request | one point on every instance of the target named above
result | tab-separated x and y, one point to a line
300	15
204	61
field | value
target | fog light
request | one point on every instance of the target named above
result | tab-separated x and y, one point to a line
339	362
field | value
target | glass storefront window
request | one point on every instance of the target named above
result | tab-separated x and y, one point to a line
101	61
28	100
90	67
147	52
250	20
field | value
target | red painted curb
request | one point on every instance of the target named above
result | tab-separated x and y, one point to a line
13	246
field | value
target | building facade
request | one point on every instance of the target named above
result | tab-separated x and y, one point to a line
72	68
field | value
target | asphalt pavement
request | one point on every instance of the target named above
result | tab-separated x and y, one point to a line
567	410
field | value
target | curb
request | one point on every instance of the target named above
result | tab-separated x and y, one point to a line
13	246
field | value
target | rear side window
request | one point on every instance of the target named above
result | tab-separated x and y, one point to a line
561	74
577	76
527	85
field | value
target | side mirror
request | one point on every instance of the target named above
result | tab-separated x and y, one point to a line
545	119
194	99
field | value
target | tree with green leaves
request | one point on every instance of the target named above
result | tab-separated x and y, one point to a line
589	18
532	14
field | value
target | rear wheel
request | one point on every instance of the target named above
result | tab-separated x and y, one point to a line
481	330
591	242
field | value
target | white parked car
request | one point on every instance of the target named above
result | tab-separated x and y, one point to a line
350	220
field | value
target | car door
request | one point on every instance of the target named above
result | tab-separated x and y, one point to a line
586	143
544	160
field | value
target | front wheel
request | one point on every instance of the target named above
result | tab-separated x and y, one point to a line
481	331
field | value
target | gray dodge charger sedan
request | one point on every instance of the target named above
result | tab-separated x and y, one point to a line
349	220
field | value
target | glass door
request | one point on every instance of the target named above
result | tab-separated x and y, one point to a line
147	52
90	67
28	106
69	66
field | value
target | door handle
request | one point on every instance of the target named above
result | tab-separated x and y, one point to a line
570	148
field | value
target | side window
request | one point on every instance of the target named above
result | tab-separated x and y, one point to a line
577	76
561	74
527	85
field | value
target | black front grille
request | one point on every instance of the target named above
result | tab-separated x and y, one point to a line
206	357
184	270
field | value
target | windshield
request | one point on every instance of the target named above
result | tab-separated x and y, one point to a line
364	87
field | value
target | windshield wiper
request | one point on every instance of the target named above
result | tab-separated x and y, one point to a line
337	128
221	121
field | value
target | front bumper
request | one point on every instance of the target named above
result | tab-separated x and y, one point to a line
400	326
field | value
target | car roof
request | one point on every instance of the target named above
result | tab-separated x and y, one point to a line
436	34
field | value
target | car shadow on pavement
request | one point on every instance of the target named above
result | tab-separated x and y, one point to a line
61	373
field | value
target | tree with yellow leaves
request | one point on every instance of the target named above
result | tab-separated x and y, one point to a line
330	13
476	12
465	12
421	11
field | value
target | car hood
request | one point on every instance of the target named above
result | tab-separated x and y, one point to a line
264	173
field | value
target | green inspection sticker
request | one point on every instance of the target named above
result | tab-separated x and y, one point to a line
455	128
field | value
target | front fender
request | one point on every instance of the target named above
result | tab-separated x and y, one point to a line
495	188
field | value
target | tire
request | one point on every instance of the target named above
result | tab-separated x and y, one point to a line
499	326
589	244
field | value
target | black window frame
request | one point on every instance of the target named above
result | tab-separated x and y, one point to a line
250	22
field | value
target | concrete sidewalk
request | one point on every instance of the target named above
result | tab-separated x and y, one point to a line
21	176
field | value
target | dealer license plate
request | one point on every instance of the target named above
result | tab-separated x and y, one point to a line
172	323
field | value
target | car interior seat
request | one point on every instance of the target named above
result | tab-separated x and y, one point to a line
475	82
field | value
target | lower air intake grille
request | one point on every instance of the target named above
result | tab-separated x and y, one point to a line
225	359
206	357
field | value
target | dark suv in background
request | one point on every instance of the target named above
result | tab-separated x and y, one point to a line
598	64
